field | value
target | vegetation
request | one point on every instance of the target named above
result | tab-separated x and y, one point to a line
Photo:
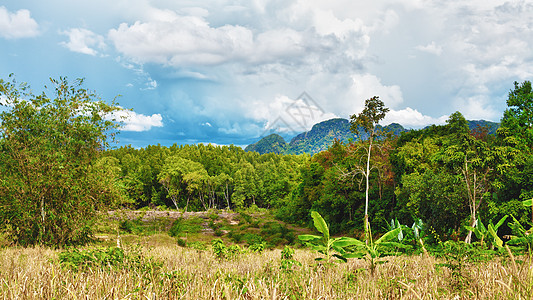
54	178
173	272
209	220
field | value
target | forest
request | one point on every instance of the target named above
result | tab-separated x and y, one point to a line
68	196
448	176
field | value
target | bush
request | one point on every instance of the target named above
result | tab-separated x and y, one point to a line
111	257
182	242
126	226
222	251
258	248
251	238
181	226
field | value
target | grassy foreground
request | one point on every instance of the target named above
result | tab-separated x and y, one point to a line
173	272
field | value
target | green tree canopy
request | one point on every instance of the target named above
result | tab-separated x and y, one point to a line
49	189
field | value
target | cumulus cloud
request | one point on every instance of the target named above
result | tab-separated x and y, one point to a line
19	24
409	117
286	115
84	41
182	40
477	107
366	86
138	122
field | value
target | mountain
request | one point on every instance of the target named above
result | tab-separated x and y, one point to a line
491	126
319	138
322	135
272	143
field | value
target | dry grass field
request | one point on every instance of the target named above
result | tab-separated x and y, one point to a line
173	272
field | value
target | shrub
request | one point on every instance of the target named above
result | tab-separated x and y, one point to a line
258	248
126	226
182	242
110	257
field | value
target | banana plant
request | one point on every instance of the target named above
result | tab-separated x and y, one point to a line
396	224
521	239
490	232
417	228
372	251
325	244
347	247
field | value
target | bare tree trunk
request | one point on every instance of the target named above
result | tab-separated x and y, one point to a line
367	175
226	194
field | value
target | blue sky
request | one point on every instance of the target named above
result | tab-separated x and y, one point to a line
228	72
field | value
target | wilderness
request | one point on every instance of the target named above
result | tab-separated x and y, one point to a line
443	212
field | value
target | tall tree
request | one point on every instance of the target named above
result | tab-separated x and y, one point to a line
50	188
367	122
518	117
516	132
470	159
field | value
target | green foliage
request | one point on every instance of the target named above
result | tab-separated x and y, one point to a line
222	251
518	117
489	233
257	247
272	143
107	258
182	242
184	226
287	261
457	256
126	226
326	245
52	181
521	239
372	251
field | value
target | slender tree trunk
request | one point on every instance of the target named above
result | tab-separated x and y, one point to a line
43	215
472	197
367	175
226	194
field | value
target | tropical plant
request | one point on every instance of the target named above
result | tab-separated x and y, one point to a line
490	232
372	251
325	244
417	228
521	239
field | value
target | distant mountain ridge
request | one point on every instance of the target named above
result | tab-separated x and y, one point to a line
322	135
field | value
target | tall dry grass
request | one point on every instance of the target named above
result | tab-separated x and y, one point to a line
35	273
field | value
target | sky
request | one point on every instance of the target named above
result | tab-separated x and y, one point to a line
230	72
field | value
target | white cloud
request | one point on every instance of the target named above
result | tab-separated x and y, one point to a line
477	107
138	122
83	41
366	86
16	25
430	48
183	40
409	117
287	115
189	40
